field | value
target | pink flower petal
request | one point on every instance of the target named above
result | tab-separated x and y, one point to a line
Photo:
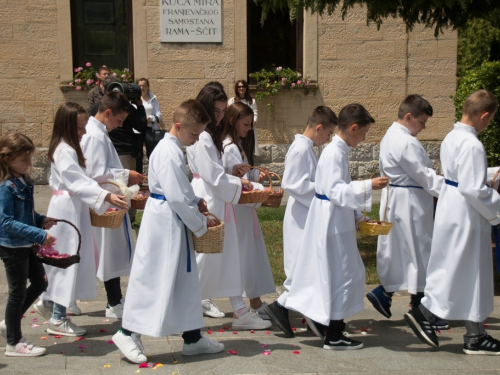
109	342
63	353
226	328
221	330
232	352
82	346
252	331
102	330
35	319
80	338
143	365
106	320
44	338
46	322
264	345
296	352
235	333
31	312
209	332
35	325
294	329
267	332
266	352
57	336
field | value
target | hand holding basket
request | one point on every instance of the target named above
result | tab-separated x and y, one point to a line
276	195
110	219
256	196
212	242
378	228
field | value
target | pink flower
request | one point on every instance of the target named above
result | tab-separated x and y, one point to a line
279	68
283	80
307	83
114	74
89	81
104	66
126	70
80	69
299	82
299	75
97	82
78	80
71	83
123	76
88	65
76	70
78	88
293	84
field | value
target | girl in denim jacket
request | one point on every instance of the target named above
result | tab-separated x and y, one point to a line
20	229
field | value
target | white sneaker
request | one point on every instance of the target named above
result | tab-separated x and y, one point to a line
130	346
211	310
262	313
3	329
73	309
203	346
24	348
43	309
250	320
114	311
65	327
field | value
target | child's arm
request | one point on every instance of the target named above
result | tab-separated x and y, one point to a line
228	188
472	168
297	178
16	228
414	161
180	196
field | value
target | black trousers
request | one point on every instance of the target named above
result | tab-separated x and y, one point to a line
113	291
20	266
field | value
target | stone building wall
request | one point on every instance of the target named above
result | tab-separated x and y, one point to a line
350	61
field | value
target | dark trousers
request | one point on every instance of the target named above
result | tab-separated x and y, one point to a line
113	291
335	330
21	266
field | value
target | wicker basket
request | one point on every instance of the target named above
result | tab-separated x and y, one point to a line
140	202
212	242
61	262
275	197
376	229
111	219
256	196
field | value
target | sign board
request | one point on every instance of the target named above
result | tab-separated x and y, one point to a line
191	21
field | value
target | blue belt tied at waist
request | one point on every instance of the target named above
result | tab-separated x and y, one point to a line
495	229
321	196
406	186
162	198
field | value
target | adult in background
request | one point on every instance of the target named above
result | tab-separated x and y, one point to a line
242	94
98	92
154	133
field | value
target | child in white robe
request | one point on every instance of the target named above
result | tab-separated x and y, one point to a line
254	262
459	283
73	192
328	281
220	274
115	246
299	184
403	254
163	295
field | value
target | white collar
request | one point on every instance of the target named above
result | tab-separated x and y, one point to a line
401	127
460	126
341	143
99	125
305	139
174	139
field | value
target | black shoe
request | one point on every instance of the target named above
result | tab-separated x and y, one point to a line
279	315
381	301
317	328
421	327
438	324
342	343
486	345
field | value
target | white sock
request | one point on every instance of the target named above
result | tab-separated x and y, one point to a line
237	303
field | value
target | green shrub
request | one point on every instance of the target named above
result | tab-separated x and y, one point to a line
486	76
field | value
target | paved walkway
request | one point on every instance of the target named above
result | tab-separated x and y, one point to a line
390	347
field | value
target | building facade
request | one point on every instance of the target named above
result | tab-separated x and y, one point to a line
345	61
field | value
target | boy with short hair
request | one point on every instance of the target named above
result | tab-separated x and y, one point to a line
163	296
459	283
115	246
403	254
328	281
298	182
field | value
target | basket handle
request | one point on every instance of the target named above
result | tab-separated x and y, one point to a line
277	175
77	231
267	175
387	200
214	217
110	183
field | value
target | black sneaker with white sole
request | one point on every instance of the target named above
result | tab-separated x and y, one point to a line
342	343
279	316
486	345
421	327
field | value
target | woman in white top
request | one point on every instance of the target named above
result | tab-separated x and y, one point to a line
153	114
242	94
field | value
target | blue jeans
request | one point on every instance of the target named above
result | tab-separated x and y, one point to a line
21	266
58	311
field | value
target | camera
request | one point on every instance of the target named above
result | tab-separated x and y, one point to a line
131	90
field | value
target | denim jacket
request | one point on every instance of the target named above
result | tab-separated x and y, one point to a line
20	225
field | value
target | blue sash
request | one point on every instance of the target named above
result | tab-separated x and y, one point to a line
495	229
162	198
406	186
321	196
